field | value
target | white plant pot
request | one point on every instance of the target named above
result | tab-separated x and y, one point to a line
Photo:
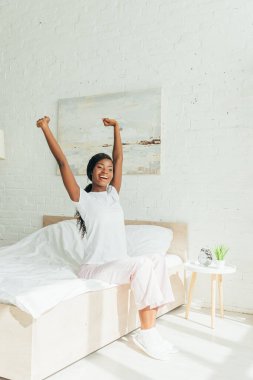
220	263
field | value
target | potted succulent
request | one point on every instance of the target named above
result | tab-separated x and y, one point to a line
220	252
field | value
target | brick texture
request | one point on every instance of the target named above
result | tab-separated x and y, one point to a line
199	52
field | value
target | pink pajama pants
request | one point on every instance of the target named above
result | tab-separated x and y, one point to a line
147	275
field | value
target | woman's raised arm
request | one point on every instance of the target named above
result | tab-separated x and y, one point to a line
117	153
66	173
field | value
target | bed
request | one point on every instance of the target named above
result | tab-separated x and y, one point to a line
35	348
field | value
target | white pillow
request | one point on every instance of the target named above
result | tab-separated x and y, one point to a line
145	239
66	243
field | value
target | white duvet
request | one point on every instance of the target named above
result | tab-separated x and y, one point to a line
39	271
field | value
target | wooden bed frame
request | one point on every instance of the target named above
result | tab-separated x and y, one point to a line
32	349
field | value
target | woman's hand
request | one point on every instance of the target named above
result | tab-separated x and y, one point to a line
109	122
43	122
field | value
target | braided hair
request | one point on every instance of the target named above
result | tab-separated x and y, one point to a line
91	164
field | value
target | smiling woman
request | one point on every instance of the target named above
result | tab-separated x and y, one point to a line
100	219
100	168
100	173
105	166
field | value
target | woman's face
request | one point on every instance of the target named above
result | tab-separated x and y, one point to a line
102	173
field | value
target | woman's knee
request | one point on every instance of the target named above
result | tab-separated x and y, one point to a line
143	263
158	259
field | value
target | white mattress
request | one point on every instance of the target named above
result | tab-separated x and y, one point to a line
40	271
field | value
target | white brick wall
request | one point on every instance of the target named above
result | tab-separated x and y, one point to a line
199	52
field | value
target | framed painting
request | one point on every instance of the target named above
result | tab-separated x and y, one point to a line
81	132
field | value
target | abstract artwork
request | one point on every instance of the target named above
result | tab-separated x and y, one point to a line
81	132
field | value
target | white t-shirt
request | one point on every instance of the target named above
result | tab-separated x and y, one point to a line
104	221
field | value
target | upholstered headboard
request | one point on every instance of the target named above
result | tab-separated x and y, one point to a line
179	244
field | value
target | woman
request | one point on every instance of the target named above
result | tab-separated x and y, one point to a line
101	218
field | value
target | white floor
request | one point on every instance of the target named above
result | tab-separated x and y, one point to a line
223	353
205	354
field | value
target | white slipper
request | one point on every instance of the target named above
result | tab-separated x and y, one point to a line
163	342
152	349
